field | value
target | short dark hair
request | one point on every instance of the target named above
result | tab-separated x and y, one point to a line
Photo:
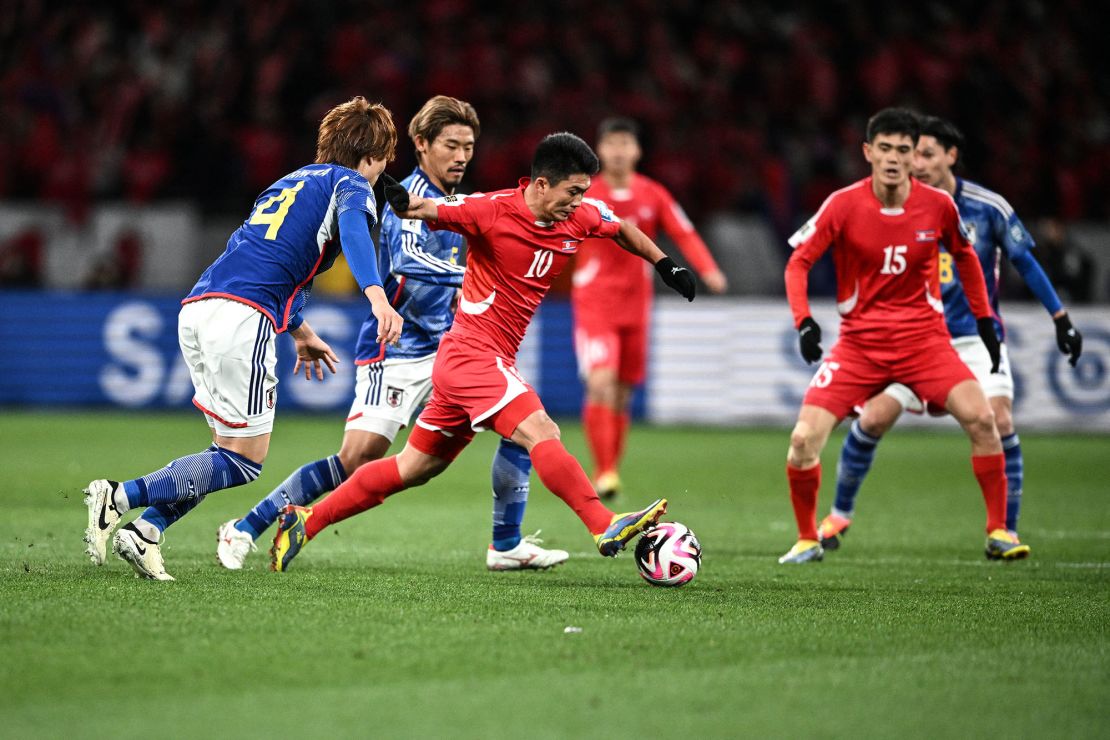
617	125
894	121
944	131
558	156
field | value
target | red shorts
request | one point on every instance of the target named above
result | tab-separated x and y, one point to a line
621	348
851	372
471	392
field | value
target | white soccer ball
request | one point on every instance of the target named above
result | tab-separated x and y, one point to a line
668	554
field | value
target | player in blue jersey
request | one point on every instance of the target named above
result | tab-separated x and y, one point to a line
228	323
995	230
422	275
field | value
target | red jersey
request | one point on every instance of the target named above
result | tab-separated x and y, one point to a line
511	261
615	284
886	260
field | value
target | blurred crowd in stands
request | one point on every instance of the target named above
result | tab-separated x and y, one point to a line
751	107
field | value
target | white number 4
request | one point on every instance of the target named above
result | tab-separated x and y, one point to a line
894	260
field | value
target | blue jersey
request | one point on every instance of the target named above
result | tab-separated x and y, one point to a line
993	230
421	272
291	235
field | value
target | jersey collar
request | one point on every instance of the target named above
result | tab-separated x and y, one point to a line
433	191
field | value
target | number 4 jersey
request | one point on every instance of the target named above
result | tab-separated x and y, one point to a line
886	262
511	261
291	235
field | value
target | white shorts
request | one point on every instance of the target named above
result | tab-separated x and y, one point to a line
388	394
974	354
231	354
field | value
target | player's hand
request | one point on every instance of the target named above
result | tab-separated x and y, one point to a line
390	323
311	351
715	281
395	193
1068	339
809	340
677	278
990	339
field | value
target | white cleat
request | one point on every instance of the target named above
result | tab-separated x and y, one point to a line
141	554
103	518
232	546
527	555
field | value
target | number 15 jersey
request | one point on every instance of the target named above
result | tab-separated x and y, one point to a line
512	259
888	286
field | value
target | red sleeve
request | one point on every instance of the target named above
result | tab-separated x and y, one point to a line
809	242
678	227
469	215
955	240
599	219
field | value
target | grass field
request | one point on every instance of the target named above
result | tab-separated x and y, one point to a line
392	627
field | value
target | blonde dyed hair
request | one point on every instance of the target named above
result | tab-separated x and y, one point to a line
440	112
356	129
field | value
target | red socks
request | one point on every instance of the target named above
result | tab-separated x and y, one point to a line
602	427
367	487
990	471
564	477
804	485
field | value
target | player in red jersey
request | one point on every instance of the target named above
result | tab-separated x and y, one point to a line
613	292
518	241
886	231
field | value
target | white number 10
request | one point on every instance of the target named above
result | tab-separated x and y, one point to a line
894	260
541	263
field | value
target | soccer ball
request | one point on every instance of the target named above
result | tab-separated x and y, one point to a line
668	554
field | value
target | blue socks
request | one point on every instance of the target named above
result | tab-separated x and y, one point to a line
1015	473
855	461
511	471
304	486
175	490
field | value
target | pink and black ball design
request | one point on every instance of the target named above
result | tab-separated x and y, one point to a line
668	554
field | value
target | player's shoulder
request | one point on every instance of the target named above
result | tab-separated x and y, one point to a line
973	193
604	211
846	196
934	196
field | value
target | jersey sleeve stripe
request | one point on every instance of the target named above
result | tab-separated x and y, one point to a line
982	195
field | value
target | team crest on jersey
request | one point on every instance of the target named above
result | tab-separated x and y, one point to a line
569	245
968	230
926	235
271	397
394	396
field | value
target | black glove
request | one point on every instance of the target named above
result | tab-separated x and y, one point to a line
1068	339
677	278
395	193
809	340
990	339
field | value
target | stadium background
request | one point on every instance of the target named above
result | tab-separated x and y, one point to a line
135	136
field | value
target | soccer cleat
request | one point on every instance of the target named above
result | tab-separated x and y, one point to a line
232	546
141	554
608	485
831	529
290	537
624	527
103	518
1004	545
804	551
527	555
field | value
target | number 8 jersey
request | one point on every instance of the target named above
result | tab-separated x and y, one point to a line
291	235
886	262
511	261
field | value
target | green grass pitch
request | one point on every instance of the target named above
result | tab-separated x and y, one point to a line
390	626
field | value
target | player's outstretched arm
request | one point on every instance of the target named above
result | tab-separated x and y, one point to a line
311	351
679	279
406	204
